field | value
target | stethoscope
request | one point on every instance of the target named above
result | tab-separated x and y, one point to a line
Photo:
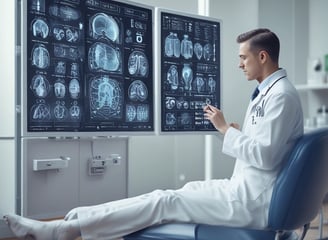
259	109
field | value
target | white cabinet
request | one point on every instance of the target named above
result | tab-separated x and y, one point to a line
313	97
51	193
308	87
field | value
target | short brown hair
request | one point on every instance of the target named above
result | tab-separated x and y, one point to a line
262	39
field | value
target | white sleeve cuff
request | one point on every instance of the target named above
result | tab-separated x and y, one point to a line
229	141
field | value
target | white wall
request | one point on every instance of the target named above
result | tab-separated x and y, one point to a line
7	107
318	31
282	26
7	110
7	68
237	16
292	27
7	176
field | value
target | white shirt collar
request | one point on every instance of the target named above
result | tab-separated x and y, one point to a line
272	78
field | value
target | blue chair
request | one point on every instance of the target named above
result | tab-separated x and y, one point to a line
297	198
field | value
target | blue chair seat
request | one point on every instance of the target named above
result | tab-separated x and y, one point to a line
297	197
190	231
183	231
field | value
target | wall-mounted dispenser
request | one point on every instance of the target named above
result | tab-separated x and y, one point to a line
50	164
97	165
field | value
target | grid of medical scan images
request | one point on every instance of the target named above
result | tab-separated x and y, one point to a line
89	66
190	72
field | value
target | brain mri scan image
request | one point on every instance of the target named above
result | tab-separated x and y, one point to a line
103	25
60	88
40	56
64	13
131	113
40	112
60	111
138	91
74	88
182	104
142	113
40	86
68	33
72	35
106	97
185	119
170	119
40	28
104	57
75	69
64	51
60	68
75	111
38	5
138	64
170	102
139	113
59	33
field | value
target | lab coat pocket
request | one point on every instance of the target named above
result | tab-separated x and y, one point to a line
250	188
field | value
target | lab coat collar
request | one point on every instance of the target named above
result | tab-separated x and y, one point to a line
267	83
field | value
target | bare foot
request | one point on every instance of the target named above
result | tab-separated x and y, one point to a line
25	228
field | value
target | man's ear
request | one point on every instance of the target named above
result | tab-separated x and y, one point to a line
263	55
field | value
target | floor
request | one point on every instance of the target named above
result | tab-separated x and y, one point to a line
313	233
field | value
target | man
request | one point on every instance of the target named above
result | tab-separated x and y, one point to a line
274	120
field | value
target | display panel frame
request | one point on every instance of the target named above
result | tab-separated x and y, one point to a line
190	102
144	125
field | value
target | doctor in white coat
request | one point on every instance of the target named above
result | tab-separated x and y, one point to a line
273	121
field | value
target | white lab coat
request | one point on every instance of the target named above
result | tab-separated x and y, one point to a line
273	121
268	134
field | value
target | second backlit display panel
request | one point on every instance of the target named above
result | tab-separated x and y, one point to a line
190	71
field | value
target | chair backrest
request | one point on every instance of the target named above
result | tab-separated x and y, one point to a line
302	183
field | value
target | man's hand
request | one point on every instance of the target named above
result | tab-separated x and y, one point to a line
217	119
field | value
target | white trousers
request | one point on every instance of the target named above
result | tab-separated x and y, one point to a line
208	202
